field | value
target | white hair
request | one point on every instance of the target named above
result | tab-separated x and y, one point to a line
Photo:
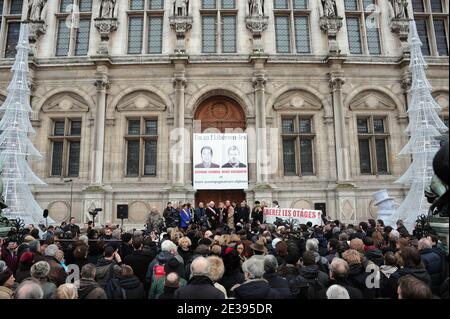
29	289
168	246
312	244
84	239
200	267
394	235
254	267
425	243
51	250
337	292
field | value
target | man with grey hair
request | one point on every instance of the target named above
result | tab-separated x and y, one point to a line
339	271
40	273
89	288
168	251
199	286
29	289
57	273
433	264
255	286
312	244
275	281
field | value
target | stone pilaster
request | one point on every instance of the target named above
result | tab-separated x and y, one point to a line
102	84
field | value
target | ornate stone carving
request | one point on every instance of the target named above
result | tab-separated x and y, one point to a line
106	23
141	101
331	26
65	102
337	80
36	22
297	100
400	8
257	24
400	22
369	100
181	23
256	8
329	8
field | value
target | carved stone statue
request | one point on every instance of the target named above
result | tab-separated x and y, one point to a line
329	8
35	8
181	8
256	7
107	8
400	8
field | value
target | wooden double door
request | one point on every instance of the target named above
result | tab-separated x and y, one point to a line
220	113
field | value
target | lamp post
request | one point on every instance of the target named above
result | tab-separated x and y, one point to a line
71	192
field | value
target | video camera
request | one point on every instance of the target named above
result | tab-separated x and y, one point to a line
94	212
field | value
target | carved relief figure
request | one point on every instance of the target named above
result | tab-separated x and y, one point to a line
181	7
107	8
35	8
329	8
256	7
400	8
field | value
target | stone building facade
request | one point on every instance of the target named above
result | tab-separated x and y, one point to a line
321	86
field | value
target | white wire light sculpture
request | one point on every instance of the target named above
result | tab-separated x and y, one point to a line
425	129
15	145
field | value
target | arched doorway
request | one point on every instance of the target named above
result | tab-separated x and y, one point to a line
221	113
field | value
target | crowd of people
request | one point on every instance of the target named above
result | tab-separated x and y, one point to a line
244	260
228	251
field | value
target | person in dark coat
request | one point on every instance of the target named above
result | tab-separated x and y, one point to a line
401	228
57	273
8	254
184	249
73	228
126	247
199	286
275	281
140	260
432	263
255	286
80	254
412	265
242	213
130	284
357	274
171	284
339	271
25	263
309	276
233	274
89	288
105	266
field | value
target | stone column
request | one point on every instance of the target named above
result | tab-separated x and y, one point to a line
102	84
341	140
259	84
179	83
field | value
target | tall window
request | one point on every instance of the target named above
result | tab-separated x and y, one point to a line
142	142
218	37
66	143
74	25
292	26
10	16
298	145
373	148
362	31
432	26
145	26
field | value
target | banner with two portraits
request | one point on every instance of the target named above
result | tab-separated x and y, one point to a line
220	161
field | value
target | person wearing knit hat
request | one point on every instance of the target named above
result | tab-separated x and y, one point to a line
40	271
25	263
6	281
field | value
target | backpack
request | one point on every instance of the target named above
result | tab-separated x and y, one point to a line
158	272
114	290
308	289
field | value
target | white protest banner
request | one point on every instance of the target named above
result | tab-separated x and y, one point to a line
301	216
220	161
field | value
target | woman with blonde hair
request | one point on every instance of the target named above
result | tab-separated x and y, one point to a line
66	291
184	249
216	271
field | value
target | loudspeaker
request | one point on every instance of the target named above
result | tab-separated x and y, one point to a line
45	214
122	211
322	207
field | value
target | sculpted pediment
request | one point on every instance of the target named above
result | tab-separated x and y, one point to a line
297	100
372	100
141	101
65	102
